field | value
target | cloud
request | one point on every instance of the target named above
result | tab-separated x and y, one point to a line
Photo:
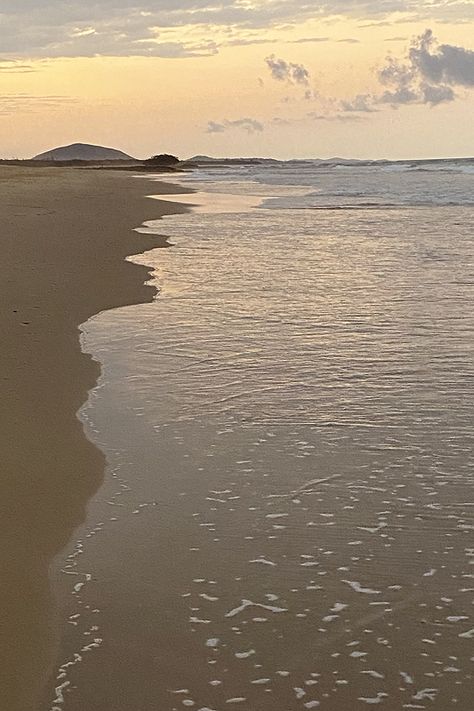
309	40
368	25
177	50
214	127
437	94
247	41
31	103
403	95
249	125
428	75
363	103
281	70
445	63
341	118
282	122
60	28
10	66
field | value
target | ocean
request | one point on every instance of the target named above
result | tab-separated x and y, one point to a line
286	520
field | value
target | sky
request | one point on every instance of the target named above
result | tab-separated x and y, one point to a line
276	78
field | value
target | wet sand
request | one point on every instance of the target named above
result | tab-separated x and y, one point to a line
64	237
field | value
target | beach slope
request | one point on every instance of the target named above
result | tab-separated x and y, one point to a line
64	238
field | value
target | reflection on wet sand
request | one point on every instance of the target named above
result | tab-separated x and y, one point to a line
44	494
286	520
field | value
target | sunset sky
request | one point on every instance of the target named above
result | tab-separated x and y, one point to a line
280	78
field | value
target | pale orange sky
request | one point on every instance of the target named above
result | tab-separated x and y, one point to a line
239	77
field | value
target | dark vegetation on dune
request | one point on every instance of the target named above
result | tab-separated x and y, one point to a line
84	156
137	166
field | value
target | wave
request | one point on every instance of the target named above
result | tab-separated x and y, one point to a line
365	206
342	185
461	165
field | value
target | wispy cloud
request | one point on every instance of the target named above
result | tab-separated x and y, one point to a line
11	66
249	125
31	103
341	118
309	40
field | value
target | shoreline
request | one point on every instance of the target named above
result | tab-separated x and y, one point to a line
65	237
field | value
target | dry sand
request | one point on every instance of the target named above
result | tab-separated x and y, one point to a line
64	236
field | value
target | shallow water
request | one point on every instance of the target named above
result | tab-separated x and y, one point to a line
286	521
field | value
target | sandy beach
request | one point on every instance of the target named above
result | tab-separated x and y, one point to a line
64	237
262	496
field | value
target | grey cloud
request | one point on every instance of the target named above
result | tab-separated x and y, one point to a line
214	127
363	103
56	28
396	73
403	95
281	122
429	74
249	125
281	70
435	95
446	63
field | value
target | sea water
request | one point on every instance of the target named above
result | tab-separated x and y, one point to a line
286	520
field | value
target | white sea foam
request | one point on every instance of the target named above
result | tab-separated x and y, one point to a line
264	561
245	655
248	603
374	700
372	672
423	694
360	589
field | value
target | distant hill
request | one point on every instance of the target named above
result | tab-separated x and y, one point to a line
219	162
202	158
82	151
265	161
